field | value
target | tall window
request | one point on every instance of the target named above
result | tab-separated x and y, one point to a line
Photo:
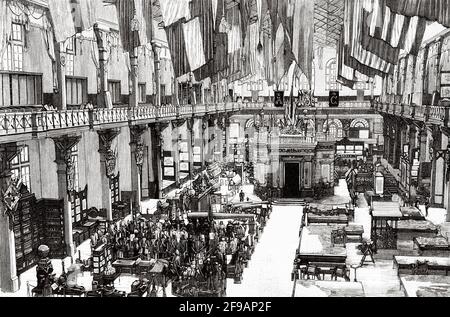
331	76
20	166
142	93
13	55
76	91
114	89
20	89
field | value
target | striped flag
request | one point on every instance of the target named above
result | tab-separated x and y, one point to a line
433	10
385	33
366	60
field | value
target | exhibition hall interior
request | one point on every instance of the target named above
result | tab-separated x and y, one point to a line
224	148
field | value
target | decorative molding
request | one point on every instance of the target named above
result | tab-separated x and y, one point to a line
106	138
63	147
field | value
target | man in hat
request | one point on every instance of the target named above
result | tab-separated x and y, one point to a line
242	196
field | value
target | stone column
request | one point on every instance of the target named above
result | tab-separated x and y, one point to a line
137	160
205	138
108	160
59	96
159	128
134	82
9	282
176	125
220	127
191	144
66	184
156	59
102	68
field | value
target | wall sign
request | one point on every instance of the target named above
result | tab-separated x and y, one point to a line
279	96
334	99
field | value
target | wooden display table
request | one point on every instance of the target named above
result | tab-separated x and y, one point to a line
411	213
438	246
124	266
436	265
354	230
425	285
385	216
316	245
407	230
324	219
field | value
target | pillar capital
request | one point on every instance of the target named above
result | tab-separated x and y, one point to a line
65	165
109	156
136	132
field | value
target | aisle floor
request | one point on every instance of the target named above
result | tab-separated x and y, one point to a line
269	271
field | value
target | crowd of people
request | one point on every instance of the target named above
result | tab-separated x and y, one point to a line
195	248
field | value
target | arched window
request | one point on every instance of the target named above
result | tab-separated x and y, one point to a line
331	75
333	128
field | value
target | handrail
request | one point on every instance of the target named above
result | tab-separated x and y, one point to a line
12	123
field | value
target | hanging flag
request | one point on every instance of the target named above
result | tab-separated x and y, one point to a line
221	30
385	33
235	43
283	56
157	13
215	6
267	43
174	10
361	59
433	10
144	15
194	44
204	11
303	35
177	47
86	12
135	23
62	21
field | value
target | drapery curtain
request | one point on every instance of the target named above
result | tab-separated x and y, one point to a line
433	10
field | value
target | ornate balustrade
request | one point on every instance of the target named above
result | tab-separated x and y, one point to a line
12	123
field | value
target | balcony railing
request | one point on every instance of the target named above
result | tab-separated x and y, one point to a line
12	123
439	115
